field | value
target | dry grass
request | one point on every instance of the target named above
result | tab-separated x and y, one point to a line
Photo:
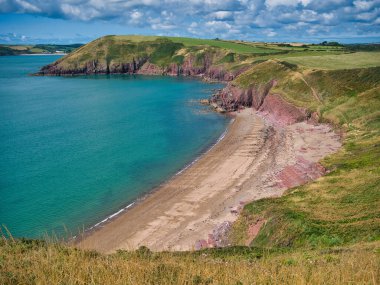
31	262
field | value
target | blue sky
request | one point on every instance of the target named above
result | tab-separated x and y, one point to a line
80	21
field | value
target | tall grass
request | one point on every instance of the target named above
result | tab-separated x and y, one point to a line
38	262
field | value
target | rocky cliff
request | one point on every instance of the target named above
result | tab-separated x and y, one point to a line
114	55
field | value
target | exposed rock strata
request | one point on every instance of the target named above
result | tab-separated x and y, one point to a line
205	68
94	67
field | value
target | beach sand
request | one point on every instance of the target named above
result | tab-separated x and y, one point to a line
258	157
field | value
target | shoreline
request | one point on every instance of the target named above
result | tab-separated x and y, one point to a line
27	54
255	159
78	238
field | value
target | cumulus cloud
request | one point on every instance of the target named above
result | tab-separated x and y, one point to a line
248	19
221	15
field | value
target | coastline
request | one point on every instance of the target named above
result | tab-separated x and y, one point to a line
258	157
26	54
88	231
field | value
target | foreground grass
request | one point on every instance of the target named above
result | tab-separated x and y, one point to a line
37	262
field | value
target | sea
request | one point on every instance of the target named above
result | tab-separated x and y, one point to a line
74	151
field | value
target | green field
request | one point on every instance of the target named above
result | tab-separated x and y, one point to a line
233	46
337	61
192	42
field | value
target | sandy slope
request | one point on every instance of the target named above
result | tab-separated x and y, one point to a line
257	158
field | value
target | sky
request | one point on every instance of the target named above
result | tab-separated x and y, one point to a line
80	21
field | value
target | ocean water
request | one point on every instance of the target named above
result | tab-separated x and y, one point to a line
74	150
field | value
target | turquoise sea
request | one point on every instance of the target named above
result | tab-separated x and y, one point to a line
74	150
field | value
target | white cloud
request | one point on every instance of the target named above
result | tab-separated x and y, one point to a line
136	17
215	18
218	26
28	7
273	3
363	5
308	16
221	15
367	16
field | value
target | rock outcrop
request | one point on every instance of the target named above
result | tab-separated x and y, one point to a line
272	106
94	67
142	66
232	97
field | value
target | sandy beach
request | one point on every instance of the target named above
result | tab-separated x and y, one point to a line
258	157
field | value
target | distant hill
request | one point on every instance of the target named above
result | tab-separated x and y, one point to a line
37	49
217	59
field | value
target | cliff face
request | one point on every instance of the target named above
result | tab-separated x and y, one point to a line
94	67
260	98
190	67
116	55
232	97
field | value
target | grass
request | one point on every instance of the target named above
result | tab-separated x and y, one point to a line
338	61
193	42
229	45
37	262
111	52
343	207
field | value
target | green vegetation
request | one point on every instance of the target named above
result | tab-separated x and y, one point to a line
164	53
340	61
324	232
35	49
363	47
36	262
110	52
342	207
237	47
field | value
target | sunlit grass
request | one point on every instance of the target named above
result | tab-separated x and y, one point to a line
38	262
337	61
342	207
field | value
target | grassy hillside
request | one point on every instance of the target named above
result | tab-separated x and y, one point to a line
108	54
342	207
237	47
36	49
113	51
324	232
342	61
36	262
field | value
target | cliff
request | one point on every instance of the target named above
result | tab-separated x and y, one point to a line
161	56
292	94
